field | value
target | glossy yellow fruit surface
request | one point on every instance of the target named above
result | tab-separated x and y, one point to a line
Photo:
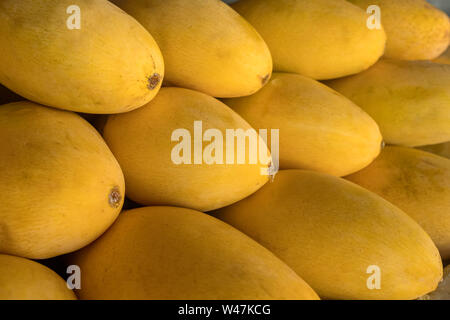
410	100
177	253
60	185
415	29
339	237
206	45
321	39
146	141
318	128
417	182
108	63
23	279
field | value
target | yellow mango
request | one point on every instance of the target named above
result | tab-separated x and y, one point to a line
410	100
321	39
7	96
339	237
145	141
319	129
206	45
443	290
176	253
417	182
442	149
60	185
23	279
444	58
415	29
110	64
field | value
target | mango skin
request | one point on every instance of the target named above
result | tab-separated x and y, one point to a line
141	142
23	279
60	185
320	39
330	231
443	290
104	67
415	29
442	149
176	253
410	100
444	58
417	182
206	45
320	129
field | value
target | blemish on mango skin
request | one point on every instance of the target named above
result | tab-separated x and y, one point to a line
115	197
153	81
265	79
406	173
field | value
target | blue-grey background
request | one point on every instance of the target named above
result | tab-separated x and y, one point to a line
443	4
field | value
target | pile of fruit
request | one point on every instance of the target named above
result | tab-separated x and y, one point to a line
188	149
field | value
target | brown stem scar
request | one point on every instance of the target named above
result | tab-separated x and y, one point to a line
153	81
115	198
265	79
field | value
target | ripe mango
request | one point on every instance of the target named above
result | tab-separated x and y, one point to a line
7	96
337	235
141	142
443	290
176	253
410	100
23	279
110	64
444	58
60	185
442	149
417	182
415	29
319	129
206	45
321	39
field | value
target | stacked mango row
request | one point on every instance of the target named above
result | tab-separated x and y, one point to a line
113	162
